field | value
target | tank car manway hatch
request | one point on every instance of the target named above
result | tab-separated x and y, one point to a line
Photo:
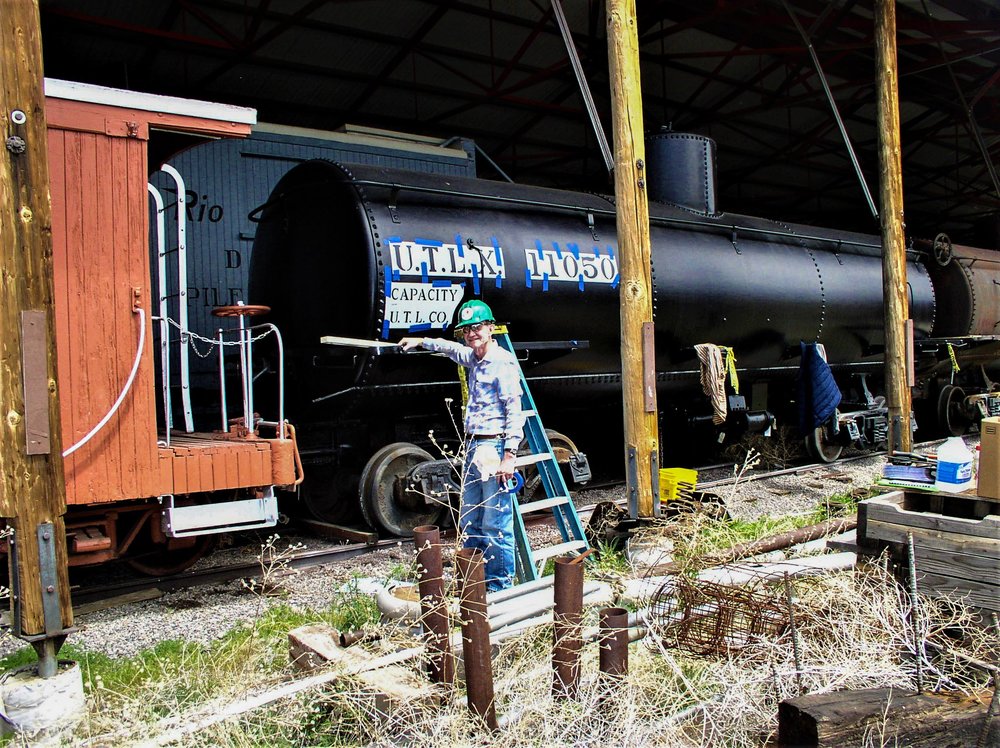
135	485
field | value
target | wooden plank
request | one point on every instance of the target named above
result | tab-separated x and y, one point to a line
112	120
934	540
165	471
973	592
884	716
145	388
961	565
880	510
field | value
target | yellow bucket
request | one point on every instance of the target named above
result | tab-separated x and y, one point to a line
677	483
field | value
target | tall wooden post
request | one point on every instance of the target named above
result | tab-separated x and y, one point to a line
893	239
638	365
33	497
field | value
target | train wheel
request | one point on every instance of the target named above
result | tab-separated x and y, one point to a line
951	415
384	502
820	449
562	448
172	557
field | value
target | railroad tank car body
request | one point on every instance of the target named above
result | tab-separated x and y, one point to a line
374	253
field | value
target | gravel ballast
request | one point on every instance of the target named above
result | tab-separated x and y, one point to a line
205	614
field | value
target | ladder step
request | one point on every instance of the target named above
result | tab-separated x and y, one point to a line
533	459
537	506
558	550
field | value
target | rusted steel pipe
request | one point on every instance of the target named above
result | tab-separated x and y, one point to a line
476	635
568	617
433	608
765	545
614	647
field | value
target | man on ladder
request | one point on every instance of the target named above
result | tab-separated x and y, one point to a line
494	425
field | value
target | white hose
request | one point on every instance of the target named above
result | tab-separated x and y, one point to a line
128	385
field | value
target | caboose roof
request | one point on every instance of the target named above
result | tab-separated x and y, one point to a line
117	97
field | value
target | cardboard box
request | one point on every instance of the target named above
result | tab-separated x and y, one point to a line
989	458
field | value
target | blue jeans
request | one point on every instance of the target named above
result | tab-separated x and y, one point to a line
486	518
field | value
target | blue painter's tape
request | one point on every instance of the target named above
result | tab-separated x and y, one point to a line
555	246
388	287
597	251
459	245
527	278
498	281
574	248
538	246
614	283
545	281
441	284
385	330
475	279
496	251
514	484
611	252
394	239
423	271
395	274
428	242
420	328
579	280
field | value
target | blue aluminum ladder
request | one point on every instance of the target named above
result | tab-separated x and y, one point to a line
531	562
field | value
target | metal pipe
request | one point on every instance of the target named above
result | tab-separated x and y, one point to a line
161	281
222	383
914	611
434	610
796	643
476	635
182	290
518	590
581	80
523	607
836	112
568	616
614	648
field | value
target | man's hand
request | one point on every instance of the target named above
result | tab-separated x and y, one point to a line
408	344
506	470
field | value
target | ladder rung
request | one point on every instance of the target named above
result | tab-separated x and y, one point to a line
537	506
557	550
533	459
529	413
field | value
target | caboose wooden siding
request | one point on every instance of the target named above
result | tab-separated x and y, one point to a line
100	231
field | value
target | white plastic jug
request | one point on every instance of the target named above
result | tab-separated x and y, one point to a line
954	468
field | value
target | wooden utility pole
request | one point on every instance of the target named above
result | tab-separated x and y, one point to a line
893	238
638	364
33	496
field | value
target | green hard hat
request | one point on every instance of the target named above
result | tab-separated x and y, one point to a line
472	312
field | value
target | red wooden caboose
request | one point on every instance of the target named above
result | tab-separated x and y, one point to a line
139	488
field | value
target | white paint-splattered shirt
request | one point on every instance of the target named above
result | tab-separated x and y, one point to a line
494	389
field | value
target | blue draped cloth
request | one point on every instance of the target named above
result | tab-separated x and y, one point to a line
819	395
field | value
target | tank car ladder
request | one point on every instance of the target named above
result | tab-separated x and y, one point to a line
530	562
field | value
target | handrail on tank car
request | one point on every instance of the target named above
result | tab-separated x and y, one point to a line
658	220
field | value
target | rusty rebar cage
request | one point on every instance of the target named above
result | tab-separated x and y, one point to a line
709	618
